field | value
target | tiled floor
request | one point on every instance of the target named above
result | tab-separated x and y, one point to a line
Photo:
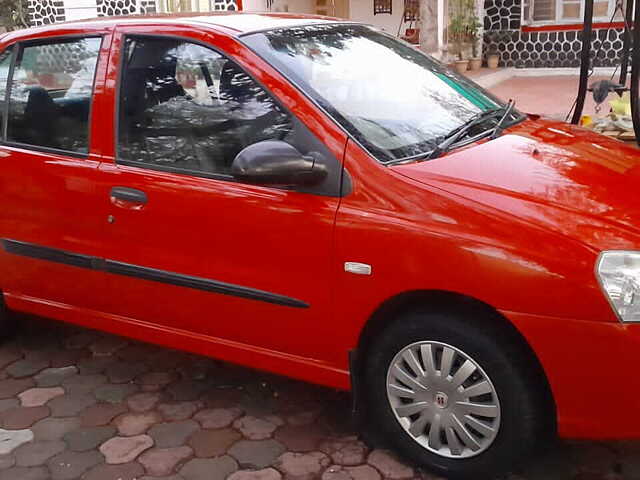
552	96
77	404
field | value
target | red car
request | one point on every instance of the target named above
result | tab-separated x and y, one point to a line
318	199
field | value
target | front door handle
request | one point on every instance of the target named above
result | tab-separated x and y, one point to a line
129	195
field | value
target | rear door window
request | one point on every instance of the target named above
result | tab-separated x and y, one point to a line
50	94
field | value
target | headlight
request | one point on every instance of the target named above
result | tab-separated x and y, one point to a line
619	275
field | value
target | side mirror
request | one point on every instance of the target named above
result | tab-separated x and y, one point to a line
274	162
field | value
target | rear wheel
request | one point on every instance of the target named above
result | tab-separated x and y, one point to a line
452	396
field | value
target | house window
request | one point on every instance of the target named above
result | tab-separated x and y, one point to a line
564	11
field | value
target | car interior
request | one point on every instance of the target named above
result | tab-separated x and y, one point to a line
187	107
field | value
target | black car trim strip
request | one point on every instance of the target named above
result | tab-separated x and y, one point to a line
39	252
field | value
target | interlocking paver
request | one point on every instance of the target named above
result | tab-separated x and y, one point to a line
143	401
347	451
8	356
156	378
256	453
88	438
126	471
389	465
264	474
172	434
205	418
160	462
125	449
212	443
25	473
71	465
13	386
187	390
37	453
83	384
81	339
35	397
124	372
101	414
299	438
95	365
209	468
26	367
361	472
218	417
255	428
114	393
54	428
131	424
12	439
70	405
52	377
7	461
302	466
22	417
8	404
107	346
179	410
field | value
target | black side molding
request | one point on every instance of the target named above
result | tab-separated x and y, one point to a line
152	274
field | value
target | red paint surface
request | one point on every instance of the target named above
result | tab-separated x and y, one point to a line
568	27
516	223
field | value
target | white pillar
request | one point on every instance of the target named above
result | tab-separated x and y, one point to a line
429	26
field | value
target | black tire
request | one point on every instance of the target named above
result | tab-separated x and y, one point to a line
523	412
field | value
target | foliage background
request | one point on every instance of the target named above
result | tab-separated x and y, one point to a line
14	14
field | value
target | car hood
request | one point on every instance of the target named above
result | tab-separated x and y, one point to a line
552	175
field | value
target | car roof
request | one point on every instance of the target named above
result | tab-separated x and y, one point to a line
233	23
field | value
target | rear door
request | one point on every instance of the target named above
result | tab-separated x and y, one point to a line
48	220
190	248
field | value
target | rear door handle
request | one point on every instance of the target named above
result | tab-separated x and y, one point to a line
130	195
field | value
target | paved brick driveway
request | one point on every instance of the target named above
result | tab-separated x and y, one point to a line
80	404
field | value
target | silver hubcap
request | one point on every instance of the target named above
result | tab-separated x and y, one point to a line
443	399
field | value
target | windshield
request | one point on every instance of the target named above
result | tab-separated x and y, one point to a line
396	101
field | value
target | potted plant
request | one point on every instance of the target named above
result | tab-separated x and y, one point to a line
493	57
458	36
475	62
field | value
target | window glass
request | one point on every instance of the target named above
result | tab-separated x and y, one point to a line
397	106
5	64
51	93
185	106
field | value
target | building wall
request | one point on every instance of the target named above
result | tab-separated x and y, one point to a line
561	48
362	11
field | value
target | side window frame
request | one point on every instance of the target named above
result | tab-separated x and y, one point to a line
18	48
167	168
7	93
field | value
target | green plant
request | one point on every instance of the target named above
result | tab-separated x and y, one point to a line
461	25
13	14
474	33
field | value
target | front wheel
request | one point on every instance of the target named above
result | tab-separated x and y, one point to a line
452	396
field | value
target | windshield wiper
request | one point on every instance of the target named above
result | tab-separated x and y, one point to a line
452	137
500	125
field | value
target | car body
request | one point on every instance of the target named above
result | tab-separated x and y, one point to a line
300	282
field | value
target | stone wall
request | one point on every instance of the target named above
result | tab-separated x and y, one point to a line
543	49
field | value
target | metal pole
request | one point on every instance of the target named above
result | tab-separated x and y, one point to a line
584	61
624	64
635	72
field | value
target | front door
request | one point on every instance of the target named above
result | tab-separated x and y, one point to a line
188	247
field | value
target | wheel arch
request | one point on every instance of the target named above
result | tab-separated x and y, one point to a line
451	302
